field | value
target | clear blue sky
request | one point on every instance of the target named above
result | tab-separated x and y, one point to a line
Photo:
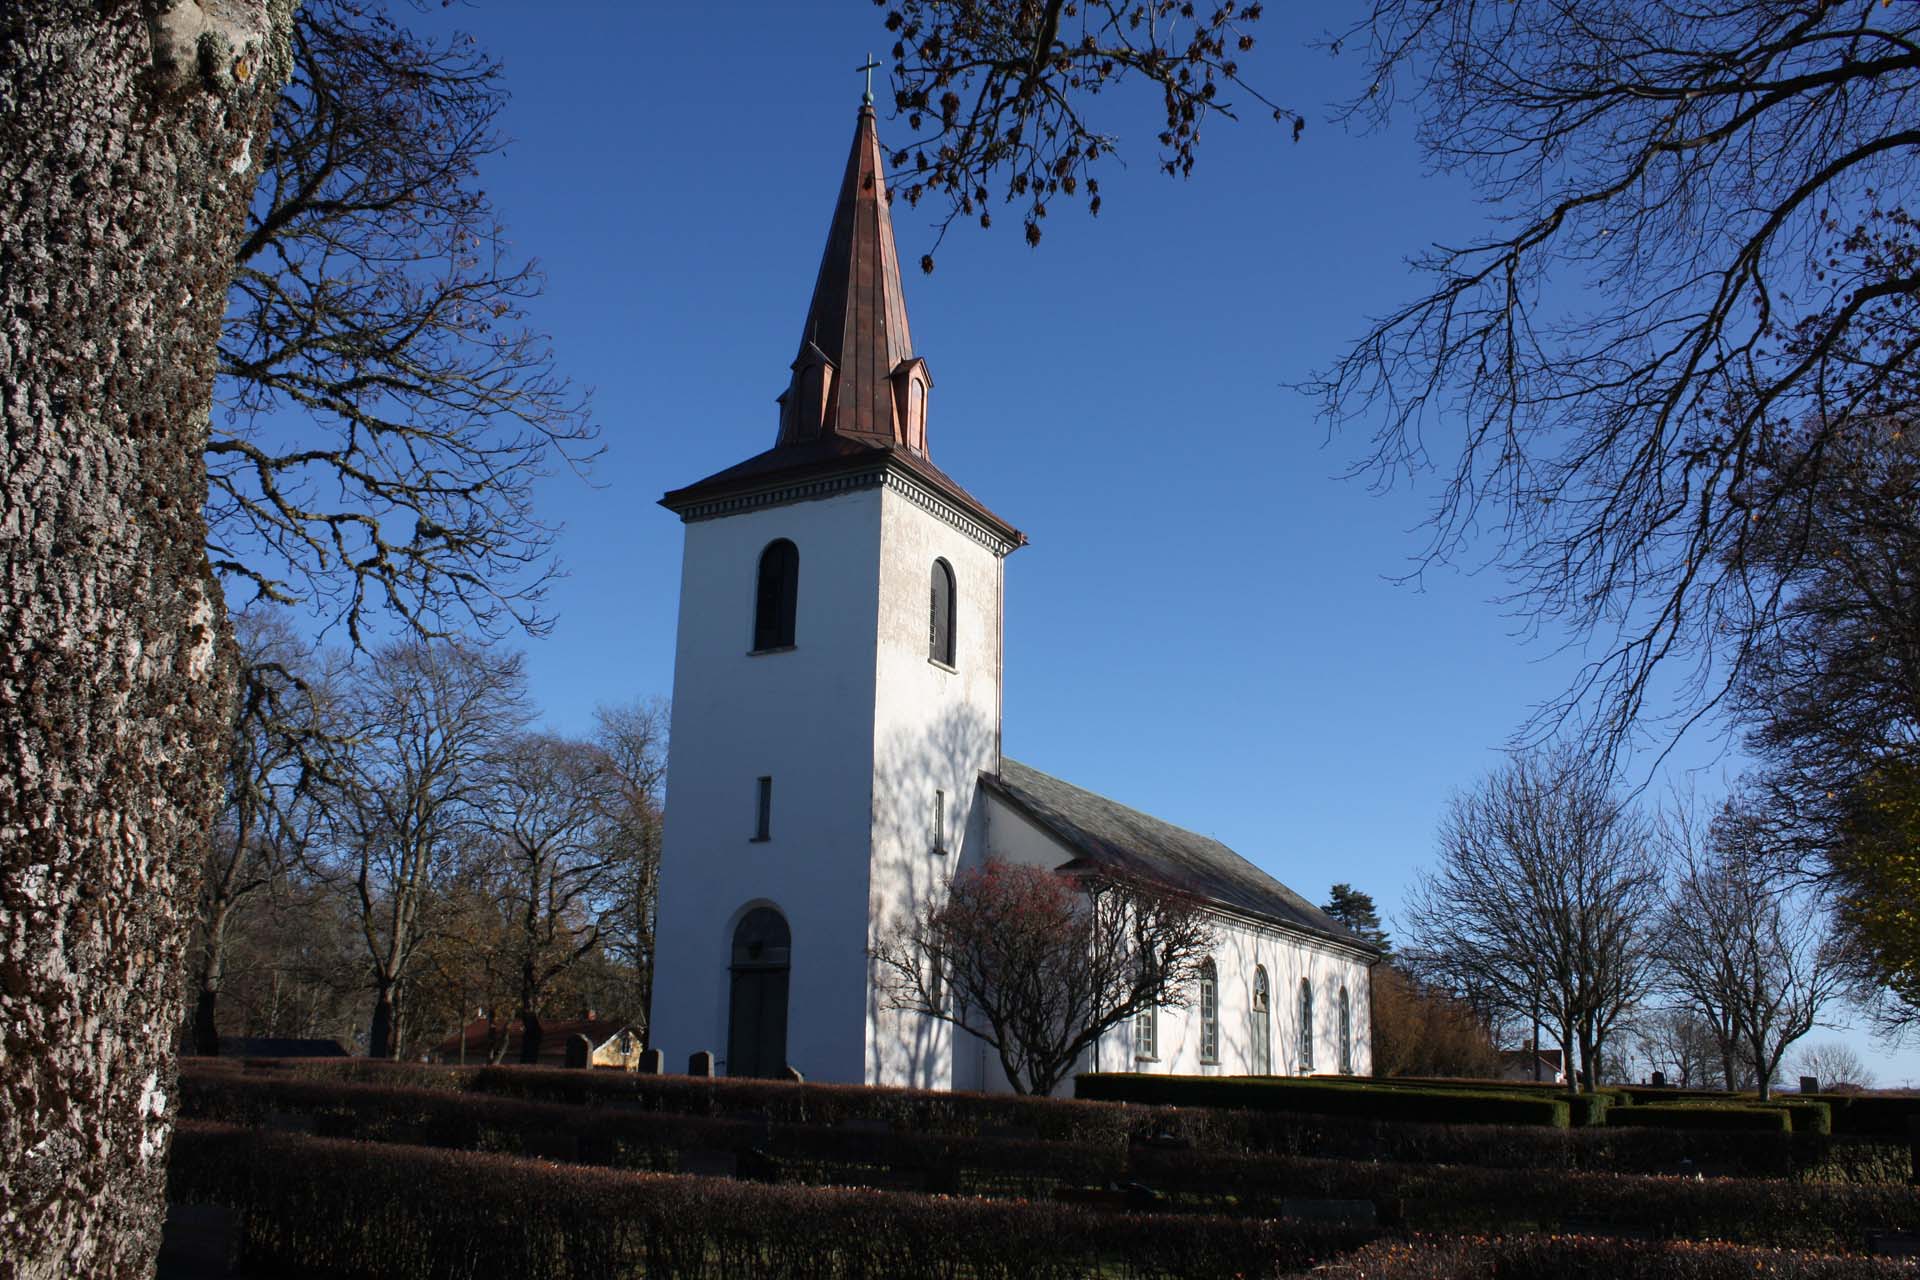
1205	625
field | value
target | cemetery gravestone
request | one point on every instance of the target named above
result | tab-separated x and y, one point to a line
579	1050
701	1064
653	1062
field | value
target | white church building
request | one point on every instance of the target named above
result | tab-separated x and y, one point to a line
835	751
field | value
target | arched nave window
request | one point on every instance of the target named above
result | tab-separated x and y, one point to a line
1209	1013
1262	1023
778	592
940	615
1306	1026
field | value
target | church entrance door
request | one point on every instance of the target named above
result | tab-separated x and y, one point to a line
757	1014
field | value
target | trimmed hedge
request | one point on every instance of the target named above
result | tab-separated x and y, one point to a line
317	1205
1680	1115
1454	1198
1882	1115
1534	1257
1268	1093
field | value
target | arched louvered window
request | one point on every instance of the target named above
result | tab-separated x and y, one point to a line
1306	1026
1209	1013
1346	1034
940	615
1262	1023
778	592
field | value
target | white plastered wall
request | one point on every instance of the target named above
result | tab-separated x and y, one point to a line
935	729
1243	943
803	717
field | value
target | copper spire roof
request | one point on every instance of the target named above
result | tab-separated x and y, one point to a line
857	322
856	403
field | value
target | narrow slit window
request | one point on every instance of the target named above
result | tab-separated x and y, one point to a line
940	615
763	810
1346	1034
939	822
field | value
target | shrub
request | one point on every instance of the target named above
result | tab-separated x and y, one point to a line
1334	1097
313	1205
1879	1114
1534	1257
1680	1115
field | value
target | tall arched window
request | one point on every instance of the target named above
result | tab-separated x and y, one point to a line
1346	1034
1262	1023
1209	1013
778	592
1306	1026
940	615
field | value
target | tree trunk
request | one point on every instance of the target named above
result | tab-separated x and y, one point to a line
380	1034
529	1036
213	969
126	137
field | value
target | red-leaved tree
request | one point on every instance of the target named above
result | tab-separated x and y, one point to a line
1040	965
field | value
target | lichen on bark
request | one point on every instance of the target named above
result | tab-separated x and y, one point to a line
119	206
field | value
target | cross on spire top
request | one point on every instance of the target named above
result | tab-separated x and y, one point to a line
870	66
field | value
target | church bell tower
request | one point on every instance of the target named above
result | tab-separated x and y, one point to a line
836	695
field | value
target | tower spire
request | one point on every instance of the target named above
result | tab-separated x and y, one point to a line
856	375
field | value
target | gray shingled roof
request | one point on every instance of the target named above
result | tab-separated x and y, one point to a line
1112	835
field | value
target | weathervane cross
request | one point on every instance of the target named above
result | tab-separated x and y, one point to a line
870	67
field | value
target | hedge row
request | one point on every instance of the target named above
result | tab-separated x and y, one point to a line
323	1206
1878	1114
1681	1115
1534	1257
1753	1211
1325	1097
1112	1126
629	1139
1762	1211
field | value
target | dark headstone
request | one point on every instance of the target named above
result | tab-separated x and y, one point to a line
701	1064
1809	1084
553	1146
1659	1079
1894	1244
710	1164
1359	1213
197	1243
579	1050
793	1074
652	1062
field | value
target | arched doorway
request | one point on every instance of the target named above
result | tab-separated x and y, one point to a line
757	1011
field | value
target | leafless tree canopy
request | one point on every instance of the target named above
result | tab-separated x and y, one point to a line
383	408
1741	944
1539	904
1039	966
1001	93
1693	286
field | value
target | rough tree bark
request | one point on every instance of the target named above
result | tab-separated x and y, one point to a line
126	136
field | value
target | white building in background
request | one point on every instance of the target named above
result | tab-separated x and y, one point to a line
835	752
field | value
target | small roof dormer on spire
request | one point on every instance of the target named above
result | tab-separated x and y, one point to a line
855	374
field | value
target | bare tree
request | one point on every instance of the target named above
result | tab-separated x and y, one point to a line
127	132
1836	1066
1744	946
384	408
548	805
427	721
633	738
1039	966
277	751
1671	281
1539	904
1677	1042
1000	94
